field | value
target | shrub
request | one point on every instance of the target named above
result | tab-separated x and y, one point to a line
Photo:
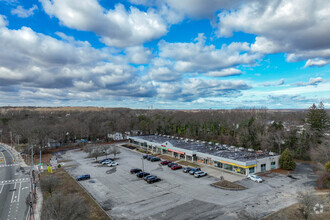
327	166
286	160
59	166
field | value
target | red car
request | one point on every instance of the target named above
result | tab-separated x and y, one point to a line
165	162
175	167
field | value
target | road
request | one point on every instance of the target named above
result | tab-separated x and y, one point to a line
14	187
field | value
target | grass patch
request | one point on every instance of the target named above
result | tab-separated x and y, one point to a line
69	186
224	184
165	157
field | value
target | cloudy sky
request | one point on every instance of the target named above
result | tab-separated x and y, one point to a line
168	54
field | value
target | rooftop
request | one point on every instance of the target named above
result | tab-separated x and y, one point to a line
216	149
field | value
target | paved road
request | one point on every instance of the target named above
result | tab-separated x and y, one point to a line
14	188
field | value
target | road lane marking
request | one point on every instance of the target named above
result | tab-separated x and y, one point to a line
12	198
9	165
2	188
4	157
19	191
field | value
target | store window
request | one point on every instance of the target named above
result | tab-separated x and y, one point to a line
273	165
263	167
251	170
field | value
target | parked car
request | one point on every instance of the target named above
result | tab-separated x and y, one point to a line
149	176
142	174
186	169
255	178
104	160
83	177
154	159
135	170
165	162
176	167
198	174
194	170
149	157
153	179
171	164
145	156
111	164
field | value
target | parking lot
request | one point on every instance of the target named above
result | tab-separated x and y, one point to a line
179	195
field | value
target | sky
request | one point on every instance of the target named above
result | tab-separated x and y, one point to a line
165	54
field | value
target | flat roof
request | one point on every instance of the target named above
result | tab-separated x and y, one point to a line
220	150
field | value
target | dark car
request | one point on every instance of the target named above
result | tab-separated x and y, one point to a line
165	162
171	164
154	159
135	170
149	157
149	176
83	177
194	170
142	174
145	156
176	167
186	169
153	179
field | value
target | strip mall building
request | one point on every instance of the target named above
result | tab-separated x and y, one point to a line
230	158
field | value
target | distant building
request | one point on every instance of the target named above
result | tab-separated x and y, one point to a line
230	158
53	143
116	136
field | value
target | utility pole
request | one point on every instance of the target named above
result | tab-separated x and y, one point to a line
11	138
142	164
31	188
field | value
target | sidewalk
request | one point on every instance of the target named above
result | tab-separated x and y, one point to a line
16	156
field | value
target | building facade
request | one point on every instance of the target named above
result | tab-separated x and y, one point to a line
238	160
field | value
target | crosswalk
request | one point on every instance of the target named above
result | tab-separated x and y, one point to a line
4	182
9	165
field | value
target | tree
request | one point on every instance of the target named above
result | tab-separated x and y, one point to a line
307	202
327	166
318	118
115	150
106	149
65	207
49	183
286	160
96	152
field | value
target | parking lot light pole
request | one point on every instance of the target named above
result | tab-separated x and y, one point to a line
142	164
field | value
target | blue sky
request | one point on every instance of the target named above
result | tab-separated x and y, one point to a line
168	54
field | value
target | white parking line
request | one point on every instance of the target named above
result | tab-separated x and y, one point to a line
19	191
12	198
2	188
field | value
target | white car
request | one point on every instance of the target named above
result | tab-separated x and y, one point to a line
199	174
112	164
255	178
106	162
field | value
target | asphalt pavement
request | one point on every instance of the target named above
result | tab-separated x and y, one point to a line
14	187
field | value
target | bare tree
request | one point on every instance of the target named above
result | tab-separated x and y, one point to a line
115	150
106	149
65	207
49	183
307	202
96	152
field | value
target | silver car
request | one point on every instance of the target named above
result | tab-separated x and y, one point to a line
200	174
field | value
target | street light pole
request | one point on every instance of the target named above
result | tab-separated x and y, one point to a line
31	188
142	164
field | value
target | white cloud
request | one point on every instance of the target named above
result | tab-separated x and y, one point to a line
138	55
116	27
296	27
24	13
201	58
316	62
225	72
3	21
311	82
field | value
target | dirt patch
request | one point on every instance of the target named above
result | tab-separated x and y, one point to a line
281	171
224	184
68	186
165	157
186	163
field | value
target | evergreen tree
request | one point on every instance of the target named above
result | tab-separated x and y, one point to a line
318	118
286	160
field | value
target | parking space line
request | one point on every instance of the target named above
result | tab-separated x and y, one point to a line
12	198
2	188
19	191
